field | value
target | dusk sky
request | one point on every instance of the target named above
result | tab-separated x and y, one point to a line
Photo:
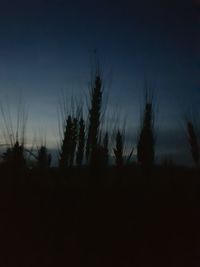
47	46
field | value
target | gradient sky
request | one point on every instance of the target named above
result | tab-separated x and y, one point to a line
46	46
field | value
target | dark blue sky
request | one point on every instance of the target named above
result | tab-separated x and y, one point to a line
46	46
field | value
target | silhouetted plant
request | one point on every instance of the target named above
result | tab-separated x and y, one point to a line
14	157
69	143
14	132
81	143
66	142
193	142
43	158
129	157
94	120
167	162
146	142
73	140
105	149
118	150
99	160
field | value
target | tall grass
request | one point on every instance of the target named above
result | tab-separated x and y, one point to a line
193	142
146	141
119	149
86	141
14	132
81	142
93	136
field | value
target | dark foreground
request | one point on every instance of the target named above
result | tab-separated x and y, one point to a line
126	218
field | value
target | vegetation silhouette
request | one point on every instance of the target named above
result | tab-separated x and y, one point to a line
14	133
64	160
81	143
193	142
115	215
106	149
118	151
14	157
146	142
92	146
43	158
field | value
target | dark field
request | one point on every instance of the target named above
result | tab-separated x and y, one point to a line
117	218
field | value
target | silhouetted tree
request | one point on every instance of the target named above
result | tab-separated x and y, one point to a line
146	143
118	150
94	121
81	143
193	142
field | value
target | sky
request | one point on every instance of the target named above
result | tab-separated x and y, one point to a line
46	48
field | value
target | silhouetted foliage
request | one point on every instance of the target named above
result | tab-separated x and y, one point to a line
94	121
193	142
14	157
129	157
14	133
81	143
54	220
65	147
118	151
73	140
98	157
105	149
43	158
146	142
69	143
